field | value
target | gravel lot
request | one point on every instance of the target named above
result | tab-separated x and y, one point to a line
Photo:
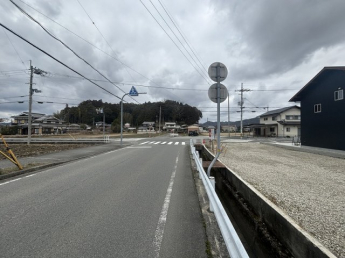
310	188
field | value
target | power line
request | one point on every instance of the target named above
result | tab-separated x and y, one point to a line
14	48
176	37
105	41
173	41
64	44
58	60
89	42
165	9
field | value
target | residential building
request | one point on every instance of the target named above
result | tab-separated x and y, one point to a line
170	126
322	109
283	122
41	124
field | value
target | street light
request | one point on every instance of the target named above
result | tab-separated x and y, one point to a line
132	92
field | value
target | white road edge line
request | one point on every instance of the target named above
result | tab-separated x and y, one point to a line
10	181
157	242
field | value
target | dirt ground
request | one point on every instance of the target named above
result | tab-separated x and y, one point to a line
24	150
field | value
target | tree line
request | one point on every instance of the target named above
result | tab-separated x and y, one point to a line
134	114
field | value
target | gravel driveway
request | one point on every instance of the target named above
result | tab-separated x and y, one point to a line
310	188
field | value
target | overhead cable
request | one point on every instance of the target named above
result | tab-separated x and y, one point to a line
105	41
89	42
64	44
180	31
177	38
173	41
58	61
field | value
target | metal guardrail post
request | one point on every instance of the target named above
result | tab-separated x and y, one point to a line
213	183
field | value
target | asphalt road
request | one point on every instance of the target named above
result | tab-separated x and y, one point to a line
139	201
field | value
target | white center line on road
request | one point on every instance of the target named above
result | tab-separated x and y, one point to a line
170	143
143	143
176	143
163	216
183	143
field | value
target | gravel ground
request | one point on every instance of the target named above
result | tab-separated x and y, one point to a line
310	188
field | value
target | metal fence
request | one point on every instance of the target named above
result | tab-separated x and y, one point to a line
231	239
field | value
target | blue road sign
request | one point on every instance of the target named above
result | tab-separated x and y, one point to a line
133	91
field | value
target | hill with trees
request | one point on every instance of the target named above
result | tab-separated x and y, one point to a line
135	114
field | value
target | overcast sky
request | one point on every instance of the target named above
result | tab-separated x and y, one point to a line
273	47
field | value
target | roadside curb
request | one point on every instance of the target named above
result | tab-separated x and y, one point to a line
37	168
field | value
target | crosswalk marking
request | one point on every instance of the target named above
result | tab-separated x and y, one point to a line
163	143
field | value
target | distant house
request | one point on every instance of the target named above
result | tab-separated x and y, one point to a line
171	126
41	124
323	109
193	128
283	122
228	128
150	126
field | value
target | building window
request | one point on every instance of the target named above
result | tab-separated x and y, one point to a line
274	118
288	129
317	108
338	95
272	130
265	118
290	117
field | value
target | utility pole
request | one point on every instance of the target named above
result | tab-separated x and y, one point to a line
229	113
160	114
30	103
241	106
241	110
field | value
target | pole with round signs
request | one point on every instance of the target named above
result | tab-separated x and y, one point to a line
217	93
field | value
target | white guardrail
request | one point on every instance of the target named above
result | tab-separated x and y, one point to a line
231	239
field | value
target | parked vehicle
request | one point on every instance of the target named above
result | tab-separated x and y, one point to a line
193	133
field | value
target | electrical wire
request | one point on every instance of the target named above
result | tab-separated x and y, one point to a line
105	41
58	61
116	59
180	31
172	40
177	38
50	34
14	48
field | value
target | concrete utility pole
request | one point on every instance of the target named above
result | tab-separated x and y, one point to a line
241	109
160	114
30	103
229	113
241	106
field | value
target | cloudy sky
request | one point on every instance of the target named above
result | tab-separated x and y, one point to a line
273	47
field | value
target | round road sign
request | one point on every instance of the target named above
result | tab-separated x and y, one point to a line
212	72
212	93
